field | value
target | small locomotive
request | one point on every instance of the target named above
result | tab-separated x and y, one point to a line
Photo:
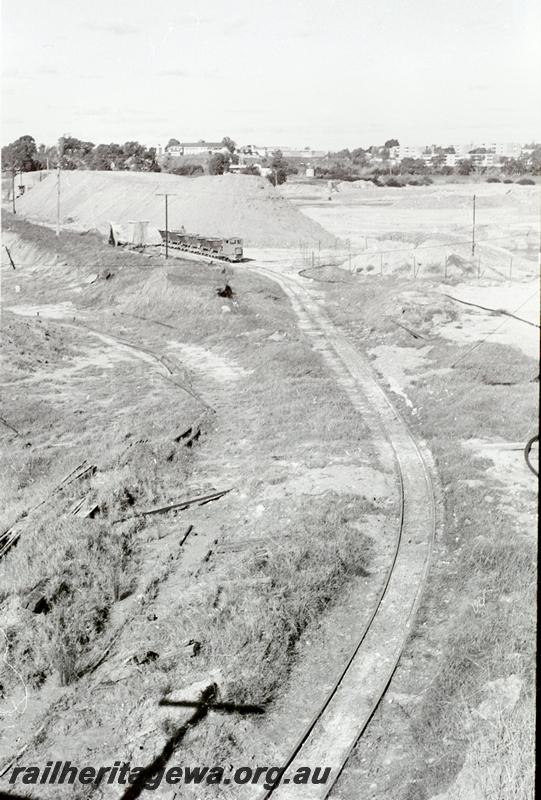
229	249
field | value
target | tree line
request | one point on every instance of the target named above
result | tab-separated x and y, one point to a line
376	162
23	155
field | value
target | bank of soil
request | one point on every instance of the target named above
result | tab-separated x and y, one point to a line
107	611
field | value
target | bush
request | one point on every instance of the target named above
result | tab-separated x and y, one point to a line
508	180
394	182
526	182
218	164
277	177
188	169
494	180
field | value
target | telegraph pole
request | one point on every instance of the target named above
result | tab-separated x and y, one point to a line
167	195
473	230
58	200
60	154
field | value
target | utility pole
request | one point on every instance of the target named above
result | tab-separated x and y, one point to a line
167	195
58	170
473	231
58	200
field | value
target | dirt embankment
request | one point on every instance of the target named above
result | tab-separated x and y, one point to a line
221	205
104	605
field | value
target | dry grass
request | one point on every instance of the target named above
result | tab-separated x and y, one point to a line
249	611
477	622
306	569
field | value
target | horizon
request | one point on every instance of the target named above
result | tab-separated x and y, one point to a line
322	75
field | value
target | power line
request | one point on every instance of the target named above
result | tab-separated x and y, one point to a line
505	322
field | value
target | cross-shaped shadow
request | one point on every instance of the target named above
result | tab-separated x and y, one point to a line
227	708
202	706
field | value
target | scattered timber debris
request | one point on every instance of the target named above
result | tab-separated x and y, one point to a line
85	508
412	333
6	423
11	535
9	256
186	534
181	505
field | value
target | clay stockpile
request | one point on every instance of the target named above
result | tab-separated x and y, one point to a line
220	205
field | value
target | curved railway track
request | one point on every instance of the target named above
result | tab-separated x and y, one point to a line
346	712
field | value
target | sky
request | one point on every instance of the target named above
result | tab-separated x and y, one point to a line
325	74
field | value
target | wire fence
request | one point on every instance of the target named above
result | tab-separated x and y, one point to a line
447	259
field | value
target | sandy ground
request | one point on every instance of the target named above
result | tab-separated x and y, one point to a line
387	228
474	324
210	205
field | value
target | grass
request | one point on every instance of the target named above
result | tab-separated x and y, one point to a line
307	567
250	611
477	619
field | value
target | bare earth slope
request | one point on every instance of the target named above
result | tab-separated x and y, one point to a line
217	205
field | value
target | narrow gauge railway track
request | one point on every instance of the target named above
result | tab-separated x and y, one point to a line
11	535
141	350
346	712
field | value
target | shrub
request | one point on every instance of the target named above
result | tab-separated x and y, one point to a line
526	182
189	169
494	180
277	177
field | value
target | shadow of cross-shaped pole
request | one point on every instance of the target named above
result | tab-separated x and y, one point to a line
207	701
213	705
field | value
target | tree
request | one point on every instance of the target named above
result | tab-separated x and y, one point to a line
514	166
359	157
218	164
75	152
229	143
465	166
416	166
279	168
106	157
47	157
391	143
20	155
437	161
172	143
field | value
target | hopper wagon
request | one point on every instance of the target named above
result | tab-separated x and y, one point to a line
229	249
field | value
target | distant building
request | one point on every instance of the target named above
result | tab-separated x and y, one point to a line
410	151
191	148
266	151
